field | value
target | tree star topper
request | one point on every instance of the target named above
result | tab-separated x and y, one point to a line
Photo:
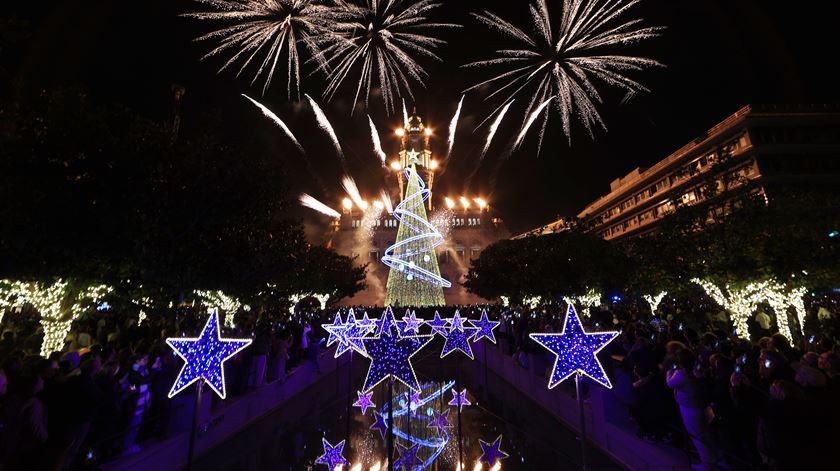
485	328
390	355
204	357
576	351
490	452
332	456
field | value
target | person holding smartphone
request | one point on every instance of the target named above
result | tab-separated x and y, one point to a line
688	392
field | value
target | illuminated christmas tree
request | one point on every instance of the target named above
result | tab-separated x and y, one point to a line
414	279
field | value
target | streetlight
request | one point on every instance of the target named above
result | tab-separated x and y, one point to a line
465	202
449	203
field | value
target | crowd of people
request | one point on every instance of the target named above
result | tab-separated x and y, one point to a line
684	377
106	391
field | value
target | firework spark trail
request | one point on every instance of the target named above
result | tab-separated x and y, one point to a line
405	115
270	115
564	64
379	42
324	123
353	192
270	27
493	128
453	125
386	200
312	203
534	115
377	143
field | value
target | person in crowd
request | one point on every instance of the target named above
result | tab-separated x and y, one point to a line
692	401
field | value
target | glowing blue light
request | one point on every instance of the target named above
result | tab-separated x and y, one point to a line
104	306
397	255
411	324
485	328
834	233
440	422
490	452
458	337
459	399
364	401
348	334
204	357
408	459
332	456
438	325
575	351
391	353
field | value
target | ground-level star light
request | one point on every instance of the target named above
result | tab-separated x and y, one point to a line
364	402
459	399
332	456
204	356
576	351
390	355
485	328
458	337
490	452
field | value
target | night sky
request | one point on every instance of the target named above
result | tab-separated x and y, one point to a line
719	56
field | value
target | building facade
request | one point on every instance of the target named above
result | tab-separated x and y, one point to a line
467	222
762	145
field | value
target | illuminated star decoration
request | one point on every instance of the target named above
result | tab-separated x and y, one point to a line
438	325
380	423
366	322
332	456
364	401
485	328
576	351
204	357
440	422
335	330
411	324
458	337
490	452
408	459
384	324
349	335
390	355
459	399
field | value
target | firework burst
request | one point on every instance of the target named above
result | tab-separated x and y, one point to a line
312	203
564	61
265	33
279	122
378	43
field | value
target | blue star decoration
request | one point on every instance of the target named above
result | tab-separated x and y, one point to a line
485	328
414	401
390	355
411	324
576	351
458	337
490	452
440	421
204	357
332	456
385	323
438	325
348	334
367	322
459	399
380	423
408	459
364	401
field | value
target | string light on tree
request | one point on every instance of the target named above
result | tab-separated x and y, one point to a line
585	302
298	297
654	301
218	299
204	356
575	350
532	302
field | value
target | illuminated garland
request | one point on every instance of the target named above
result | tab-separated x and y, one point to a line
505	301
741	303
413	256
218	299
50	302
654	301
532	302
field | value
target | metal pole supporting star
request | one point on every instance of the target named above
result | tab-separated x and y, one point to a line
576	351
204	356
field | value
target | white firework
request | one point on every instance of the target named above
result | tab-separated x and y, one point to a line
265	33
567	59
312	203
453	126
279	122
493	128
325	124
353	192
377	143
378	44
386	201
